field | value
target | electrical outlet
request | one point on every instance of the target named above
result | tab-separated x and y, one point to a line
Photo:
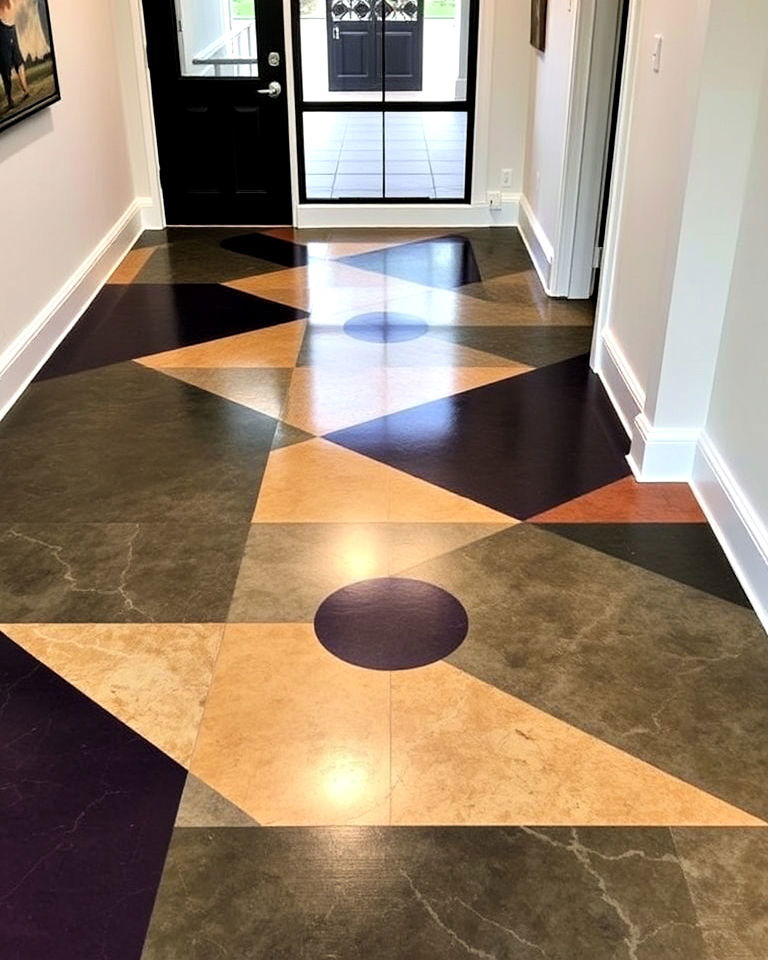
494	199
506	177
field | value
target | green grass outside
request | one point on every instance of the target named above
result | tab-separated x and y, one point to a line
437	9
440	8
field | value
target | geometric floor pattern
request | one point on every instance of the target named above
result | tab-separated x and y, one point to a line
245	423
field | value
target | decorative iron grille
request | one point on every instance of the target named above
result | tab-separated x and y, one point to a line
365	10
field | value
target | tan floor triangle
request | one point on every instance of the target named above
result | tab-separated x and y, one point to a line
154	677
320	482
327	743
274	347
464	752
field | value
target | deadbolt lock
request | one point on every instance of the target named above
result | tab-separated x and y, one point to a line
274	59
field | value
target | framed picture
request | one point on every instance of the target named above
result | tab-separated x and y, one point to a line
29	81
538	24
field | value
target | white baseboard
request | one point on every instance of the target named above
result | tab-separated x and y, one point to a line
661	455
21	360
152	217
656	454
621	385
537	242
425	215
742	535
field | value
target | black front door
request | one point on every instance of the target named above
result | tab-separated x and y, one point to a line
368	38
221	110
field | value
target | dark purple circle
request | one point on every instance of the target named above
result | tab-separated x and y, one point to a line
391	623
386	327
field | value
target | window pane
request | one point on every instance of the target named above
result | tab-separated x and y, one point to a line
418	51
217	38
425	155
426	50
343	155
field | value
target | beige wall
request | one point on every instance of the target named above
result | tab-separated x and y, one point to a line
66	173
509	100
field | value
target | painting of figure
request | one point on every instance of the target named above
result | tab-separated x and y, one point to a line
27	61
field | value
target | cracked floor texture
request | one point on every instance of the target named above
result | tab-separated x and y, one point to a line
390	441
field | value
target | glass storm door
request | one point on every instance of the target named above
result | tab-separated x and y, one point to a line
386	99
221	111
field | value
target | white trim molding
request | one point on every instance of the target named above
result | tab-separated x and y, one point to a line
736	524
605	293
410	214
661	454
537	243
621	385
28	352
657	454
153	208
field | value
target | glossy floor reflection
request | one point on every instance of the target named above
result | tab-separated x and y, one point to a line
334	625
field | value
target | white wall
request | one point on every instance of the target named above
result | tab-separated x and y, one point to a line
658	151
681	338
730	88
130	61
731	470
550	91
737	422
676	203
510	80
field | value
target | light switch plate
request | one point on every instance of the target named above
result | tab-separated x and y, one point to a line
658	42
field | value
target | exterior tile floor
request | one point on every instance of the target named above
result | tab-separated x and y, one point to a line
393	155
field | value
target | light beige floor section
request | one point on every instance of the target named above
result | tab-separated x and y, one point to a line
294	736
274	347
321	482
464	752
154	677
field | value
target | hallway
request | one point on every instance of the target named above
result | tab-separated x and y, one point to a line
334	625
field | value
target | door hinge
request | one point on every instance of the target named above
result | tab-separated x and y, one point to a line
179	25
597	260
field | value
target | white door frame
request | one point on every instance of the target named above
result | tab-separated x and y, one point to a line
634	393
478	213
475	214
590	108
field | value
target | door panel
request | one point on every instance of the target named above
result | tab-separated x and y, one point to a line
252	172
350	61
403	45
359	40
223	143
197	137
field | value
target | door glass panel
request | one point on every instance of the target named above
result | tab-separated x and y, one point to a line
425	155
217	38
343	155
347	44
425	50
401	68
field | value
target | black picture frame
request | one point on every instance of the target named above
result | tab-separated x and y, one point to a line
27	56
539	24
